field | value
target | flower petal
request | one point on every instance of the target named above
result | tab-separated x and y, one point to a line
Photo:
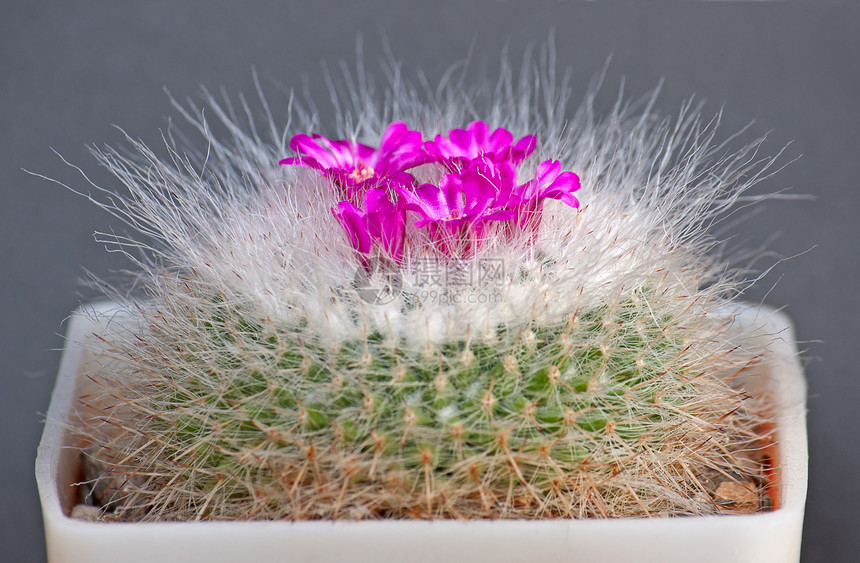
352	220
320	149
499	141
427	200
385	221
562	188
523	148
301	161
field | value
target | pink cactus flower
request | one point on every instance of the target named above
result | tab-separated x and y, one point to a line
459	209
549	182
464	145
379	224
478	190
354	167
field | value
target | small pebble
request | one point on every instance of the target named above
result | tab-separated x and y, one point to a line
742	497
87	512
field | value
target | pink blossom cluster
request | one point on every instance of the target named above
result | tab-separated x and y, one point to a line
478	190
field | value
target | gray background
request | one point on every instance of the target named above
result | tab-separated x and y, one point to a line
69	70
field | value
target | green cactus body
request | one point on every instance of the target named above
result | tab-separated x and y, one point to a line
267	379
562	420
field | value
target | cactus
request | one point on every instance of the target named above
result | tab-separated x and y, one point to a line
280	369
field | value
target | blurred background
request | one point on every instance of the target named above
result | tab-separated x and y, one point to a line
70	71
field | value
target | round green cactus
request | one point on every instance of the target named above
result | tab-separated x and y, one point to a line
590	416
597	378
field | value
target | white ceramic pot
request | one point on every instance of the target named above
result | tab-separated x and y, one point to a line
761	537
